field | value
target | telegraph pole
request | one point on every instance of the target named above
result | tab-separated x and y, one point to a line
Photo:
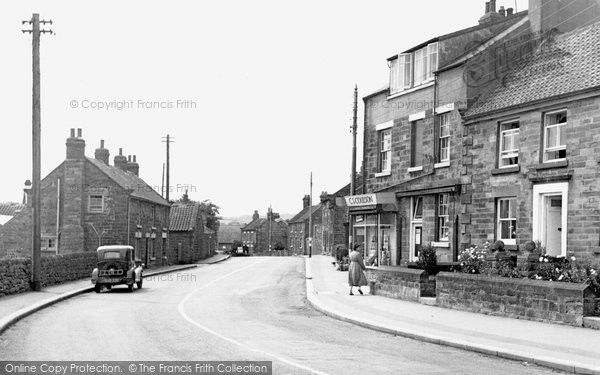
310	219
353	171
36	147
270	217
168	140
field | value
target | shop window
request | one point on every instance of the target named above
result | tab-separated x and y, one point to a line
507	220
509	144
416	149
555	136
443	217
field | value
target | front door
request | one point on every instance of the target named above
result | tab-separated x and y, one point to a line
552	226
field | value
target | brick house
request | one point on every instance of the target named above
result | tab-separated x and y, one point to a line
261	235
86	203
532	143
413	172
188	234
298	229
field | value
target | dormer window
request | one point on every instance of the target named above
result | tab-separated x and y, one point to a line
413	69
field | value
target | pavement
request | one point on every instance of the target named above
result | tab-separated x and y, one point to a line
562	347
15	307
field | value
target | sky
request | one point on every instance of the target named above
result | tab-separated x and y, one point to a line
256	95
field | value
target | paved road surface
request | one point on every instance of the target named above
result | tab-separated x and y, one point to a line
242	309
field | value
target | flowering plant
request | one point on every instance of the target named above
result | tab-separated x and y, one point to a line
560	268
472	259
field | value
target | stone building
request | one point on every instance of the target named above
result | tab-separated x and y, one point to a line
298	229
413	173
228	234
532	144
262	235
86	202
188	236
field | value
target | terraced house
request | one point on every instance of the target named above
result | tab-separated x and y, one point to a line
413	153
532	143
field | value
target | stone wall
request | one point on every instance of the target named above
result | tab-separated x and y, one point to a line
516	298
401	283
15	273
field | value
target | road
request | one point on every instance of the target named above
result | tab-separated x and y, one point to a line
242	309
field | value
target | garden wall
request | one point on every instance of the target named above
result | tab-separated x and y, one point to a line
538	300
400	282
15	273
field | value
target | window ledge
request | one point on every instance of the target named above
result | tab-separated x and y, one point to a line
383	174
414	169
511	169
440	244
552	164
413	89
443	164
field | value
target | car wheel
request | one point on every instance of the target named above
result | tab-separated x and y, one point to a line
130	287
97	288
139	284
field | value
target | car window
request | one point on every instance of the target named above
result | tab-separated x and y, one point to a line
112	255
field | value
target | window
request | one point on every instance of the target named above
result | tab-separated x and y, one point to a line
48	243
509	144
417	208
443	216
96	203
444	141
385	150
416	149
555	146
413	69
507	220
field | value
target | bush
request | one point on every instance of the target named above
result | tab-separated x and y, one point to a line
427	259
569	269
340	253
472	260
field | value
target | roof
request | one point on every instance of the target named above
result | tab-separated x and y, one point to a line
303	215
129	181
229	233
10	209
255	224
207	230
567	65
183	217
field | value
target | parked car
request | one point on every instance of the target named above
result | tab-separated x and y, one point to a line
116	266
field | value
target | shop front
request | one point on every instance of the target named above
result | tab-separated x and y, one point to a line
373	224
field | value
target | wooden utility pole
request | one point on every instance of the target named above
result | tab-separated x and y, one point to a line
310	219
168	140
36	148
353	171
162	184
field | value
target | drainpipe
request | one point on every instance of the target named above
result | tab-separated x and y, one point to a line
57	213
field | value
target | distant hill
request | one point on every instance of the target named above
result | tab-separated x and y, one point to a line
245	219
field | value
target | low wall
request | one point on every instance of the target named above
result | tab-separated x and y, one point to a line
400	282
15	274
538	300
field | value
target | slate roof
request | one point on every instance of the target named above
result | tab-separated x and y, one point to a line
568	64
10	209
303	215
255	224
182	217
130	181
230	233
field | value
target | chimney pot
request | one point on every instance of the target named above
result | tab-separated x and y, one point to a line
129	158
120	151
101	153
134	159
72	132
487	7
120	160
78	132
102	143
509	11
493	6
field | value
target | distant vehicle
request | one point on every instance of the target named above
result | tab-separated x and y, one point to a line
116	266
240	251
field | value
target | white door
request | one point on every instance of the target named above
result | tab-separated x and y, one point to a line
553	226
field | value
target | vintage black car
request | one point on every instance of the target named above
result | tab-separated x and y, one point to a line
116	266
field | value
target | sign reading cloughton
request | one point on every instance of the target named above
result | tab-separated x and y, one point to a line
361	200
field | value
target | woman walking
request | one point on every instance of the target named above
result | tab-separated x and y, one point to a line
356	276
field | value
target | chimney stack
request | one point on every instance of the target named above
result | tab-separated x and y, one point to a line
509	11
490	13
255	215
133	166
492	6
502	12
305	201
120	160
75	145
101	153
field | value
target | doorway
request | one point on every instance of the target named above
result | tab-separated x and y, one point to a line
552	226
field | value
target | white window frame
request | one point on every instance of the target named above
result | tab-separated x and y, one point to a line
513	152
446	216
413	69
444	138
95	209
541	191
499	220
561	136
415	222
385	150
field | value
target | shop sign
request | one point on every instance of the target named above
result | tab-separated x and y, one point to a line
361	200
